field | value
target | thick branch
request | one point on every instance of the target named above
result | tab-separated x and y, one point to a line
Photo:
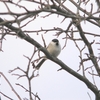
92	56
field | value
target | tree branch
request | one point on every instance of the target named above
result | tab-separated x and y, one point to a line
59	62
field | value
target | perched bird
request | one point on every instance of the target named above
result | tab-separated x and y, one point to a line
53	48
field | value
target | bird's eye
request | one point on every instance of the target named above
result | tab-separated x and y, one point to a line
57	43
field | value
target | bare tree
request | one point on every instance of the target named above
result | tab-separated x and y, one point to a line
59	8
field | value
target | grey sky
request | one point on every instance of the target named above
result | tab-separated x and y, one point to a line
50	84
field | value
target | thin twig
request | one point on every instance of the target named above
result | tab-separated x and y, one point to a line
10	86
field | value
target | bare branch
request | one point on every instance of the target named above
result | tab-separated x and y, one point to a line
11	86
5	96
45	9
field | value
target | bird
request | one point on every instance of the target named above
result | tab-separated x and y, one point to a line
54	48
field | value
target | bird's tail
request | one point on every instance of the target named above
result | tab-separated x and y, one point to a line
40	63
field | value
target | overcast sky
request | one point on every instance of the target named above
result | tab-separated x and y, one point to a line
50	84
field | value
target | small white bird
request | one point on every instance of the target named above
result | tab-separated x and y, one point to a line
53	48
